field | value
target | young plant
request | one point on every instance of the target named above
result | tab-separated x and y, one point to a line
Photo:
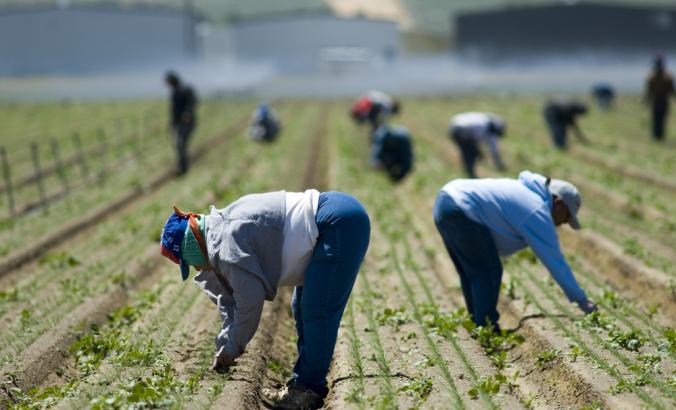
547	357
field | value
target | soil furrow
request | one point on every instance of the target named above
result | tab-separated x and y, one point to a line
70	230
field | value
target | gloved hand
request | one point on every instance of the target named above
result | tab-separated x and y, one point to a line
587	306
222	361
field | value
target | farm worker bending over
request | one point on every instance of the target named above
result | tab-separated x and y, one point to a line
604	94
264	124
469	129
483	219
659	89
182	114
310	240
375	107
560	115
392	151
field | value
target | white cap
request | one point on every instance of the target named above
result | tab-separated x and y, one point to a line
570	197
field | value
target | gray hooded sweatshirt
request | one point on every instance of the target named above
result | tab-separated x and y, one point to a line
244	242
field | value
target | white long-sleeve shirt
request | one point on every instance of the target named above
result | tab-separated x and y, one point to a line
477	125
300	235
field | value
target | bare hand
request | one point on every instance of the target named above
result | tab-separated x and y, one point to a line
587	306
222	362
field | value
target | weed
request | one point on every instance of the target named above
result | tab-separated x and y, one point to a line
547	357
9	295
420	388
631	340
633	248
394	317
669	344
356	396
510	289
158	390
446	324
491	385
575	352
593	406
42	398
620	387
58	260
525	255
278	368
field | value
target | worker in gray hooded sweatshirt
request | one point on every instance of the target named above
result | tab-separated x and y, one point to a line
482	219
310	240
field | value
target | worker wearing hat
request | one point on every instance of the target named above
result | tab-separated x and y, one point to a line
310	240
482	219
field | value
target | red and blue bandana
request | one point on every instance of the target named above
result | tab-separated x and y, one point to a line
172	238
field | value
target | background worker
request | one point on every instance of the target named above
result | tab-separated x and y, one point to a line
469	130
264	124
183	102
560	115
310	240
375	107
392	150
604	95
659	88
482	219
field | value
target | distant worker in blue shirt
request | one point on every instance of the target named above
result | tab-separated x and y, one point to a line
264	124
604	94
481	220
392	150
561	115
469	130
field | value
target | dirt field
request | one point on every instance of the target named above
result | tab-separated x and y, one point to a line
92	316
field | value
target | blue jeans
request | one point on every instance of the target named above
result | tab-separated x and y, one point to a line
472	249
318	305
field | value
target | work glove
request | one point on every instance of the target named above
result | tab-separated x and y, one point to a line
222	361
587	306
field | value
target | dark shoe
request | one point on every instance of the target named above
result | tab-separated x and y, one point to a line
298	397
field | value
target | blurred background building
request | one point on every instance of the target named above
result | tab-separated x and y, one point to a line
308	42
566	27
81	38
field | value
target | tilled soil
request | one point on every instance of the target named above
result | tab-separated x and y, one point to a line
393	350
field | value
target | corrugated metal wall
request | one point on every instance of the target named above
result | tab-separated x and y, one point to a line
75	40
298	43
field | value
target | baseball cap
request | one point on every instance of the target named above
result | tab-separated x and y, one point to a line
172	238
570	197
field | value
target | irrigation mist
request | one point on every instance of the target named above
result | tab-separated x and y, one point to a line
419	75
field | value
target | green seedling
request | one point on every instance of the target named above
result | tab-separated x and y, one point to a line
9	295
575	352
490	385
633	248
278	368
59	260
420	388
631	340
547	357
157	390
446	324
42	398
669	344
510	289
393	317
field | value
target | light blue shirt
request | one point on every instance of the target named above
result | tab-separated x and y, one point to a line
518	214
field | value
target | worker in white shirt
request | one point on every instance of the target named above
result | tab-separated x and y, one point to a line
469	130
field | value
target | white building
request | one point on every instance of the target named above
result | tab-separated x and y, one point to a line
312	41
86	38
